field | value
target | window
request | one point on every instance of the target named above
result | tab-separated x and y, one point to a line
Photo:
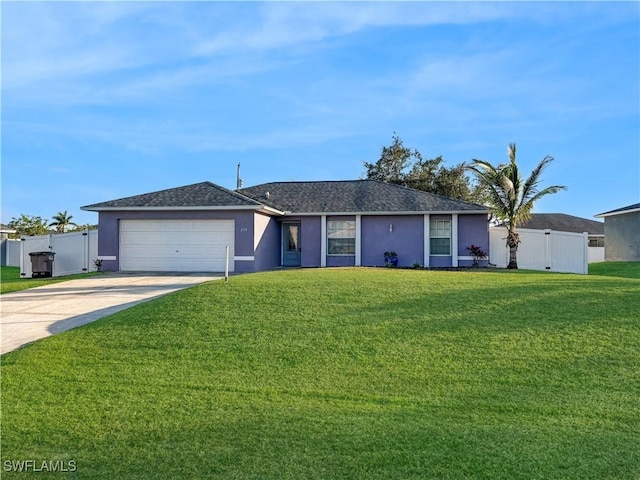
596	241
440	237
341	237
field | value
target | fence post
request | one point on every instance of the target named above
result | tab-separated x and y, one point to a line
585	254
85	245
547	252
226	265
22	266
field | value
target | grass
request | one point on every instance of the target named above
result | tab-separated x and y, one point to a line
616	269
342	373
11	281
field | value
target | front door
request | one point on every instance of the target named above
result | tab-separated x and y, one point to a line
291	245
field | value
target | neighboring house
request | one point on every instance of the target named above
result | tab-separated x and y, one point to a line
288	224
561	222
622	231
5	231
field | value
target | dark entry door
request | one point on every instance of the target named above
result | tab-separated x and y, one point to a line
291	245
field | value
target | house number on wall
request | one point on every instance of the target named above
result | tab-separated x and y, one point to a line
243	229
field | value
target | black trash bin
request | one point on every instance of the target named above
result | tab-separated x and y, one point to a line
41	264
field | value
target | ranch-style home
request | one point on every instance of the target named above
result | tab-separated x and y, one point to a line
287	224
622	230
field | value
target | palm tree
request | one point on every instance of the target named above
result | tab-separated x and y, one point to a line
510	199
62	220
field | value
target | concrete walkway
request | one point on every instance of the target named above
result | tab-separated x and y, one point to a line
37	313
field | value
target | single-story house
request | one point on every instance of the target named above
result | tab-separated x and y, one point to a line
287	224
5	231
622	231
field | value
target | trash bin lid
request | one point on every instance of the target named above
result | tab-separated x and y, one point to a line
35	254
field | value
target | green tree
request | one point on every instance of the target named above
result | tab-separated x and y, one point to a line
433	176
510	198
82	228
403	166
28	225
423	174
393	163
453	183
62	221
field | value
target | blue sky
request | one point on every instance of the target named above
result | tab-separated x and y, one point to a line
102	100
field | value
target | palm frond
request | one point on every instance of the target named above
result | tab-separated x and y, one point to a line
547	191
531	184
511	200
511	153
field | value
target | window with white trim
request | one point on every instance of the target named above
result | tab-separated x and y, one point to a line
440	237
341	237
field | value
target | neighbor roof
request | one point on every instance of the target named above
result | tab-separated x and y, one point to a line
198	195
563	223
628	209
353	196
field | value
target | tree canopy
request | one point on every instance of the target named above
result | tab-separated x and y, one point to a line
402	166
29	225
62	221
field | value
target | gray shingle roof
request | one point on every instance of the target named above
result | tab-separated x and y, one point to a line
351	196
628	208
205	194
563	223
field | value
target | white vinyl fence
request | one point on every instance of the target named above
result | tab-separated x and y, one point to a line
74	252
596	254
10	253
542	250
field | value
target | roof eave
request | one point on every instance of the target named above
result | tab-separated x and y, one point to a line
418	212
262	208
616	212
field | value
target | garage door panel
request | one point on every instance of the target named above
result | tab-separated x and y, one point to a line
164	239
171	252
176	245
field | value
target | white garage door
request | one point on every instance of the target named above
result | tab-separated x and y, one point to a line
176	245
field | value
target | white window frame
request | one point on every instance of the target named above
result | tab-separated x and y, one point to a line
331	229
434	233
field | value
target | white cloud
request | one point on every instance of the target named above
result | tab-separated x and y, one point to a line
284	24
150	58
110	52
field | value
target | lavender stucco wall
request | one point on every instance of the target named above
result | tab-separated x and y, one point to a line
109	230
310	241
472	230
267	253
406	239
310	233
437	261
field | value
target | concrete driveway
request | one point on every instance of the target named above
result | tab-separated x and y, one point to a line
37	313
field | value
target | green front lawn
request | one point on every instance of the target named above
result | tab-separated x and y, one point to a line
11	281
341	373
616	269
